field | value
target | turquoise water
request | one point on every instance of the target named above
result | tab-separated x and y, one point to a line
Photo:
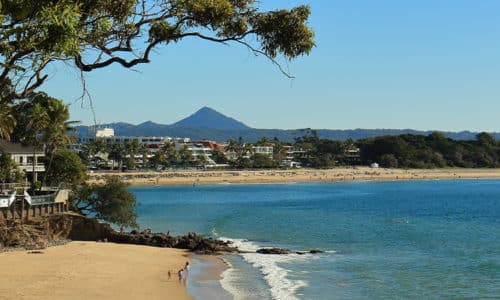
385	240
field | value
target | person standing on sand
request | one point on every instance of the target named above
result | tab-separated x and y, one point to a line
187	267
169	275
181	275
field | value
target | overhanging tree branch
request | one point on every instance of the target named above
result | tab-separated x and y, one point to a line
97	34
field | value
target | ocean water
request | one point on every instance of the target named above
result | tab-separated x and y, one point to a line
384	240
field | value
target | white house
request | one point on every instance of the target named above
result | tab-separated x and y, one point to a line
23	156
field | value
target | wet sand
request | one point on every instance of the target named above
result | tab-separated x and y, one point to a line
193	177
90	270
204	280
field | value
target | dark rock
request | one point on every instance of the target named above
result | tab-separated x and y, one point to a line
273	251
301	252
56	229
315	251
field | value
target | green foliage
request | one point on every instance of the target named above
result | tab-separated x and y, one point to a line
284	31
7	120
186	157
43	119
241	163
485	139
110	202
388	161
320	153
96	34
262	161
171	154
159	159
432	151
67	170
37	185
7	168
240	153
117	153
218	156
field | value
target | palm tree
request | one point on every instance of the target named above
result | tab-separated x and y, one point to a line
55	134
37	120
186	156
131	149
144	152
171	153
7	121
116	153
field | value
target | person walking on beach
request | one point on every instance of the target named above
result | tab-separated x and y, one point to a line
169	275
187	267
181	274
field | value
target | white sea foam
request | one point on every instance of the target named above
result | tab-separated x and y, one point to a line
277	277
226	282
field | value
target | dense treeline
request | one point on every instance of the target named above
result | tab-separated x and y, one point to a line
400	151
391	151
432	151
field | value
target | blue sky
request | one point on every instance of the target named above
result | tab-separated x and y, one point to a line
423	64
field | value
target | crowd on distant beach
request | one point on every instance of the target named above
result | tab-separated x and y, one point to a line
196	178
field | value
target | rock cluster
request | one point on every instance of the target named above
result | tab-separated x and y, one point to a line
57	229
43	232
273	251
191	241
286	251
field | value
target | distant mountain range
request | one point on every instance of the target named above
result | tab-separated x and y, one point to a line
209	124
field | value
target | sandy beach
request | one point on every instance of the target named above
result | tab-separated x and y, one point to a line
90	270
194	177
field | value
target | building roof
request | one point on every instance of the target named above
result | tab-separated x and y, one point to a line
16	148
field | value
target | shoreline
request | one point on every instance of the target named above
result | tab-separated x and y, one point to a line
206	177
206	278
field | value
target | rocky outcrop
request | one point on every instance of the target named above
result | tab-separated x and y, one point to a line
60	228
40	233
273	251
191	241
316	251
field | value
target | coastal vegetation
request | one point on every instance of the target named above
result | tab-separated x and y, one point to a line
432	151
110	202
399	151
90	35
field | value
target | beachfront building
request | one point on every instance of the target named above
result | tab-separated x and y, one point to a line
352	156
28	159
200	150
148	145
152	143
251	150
107	135
104	133
291	155
264	150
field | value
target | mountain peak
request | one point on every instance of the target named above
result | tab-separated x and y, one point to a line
207	117
148	123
